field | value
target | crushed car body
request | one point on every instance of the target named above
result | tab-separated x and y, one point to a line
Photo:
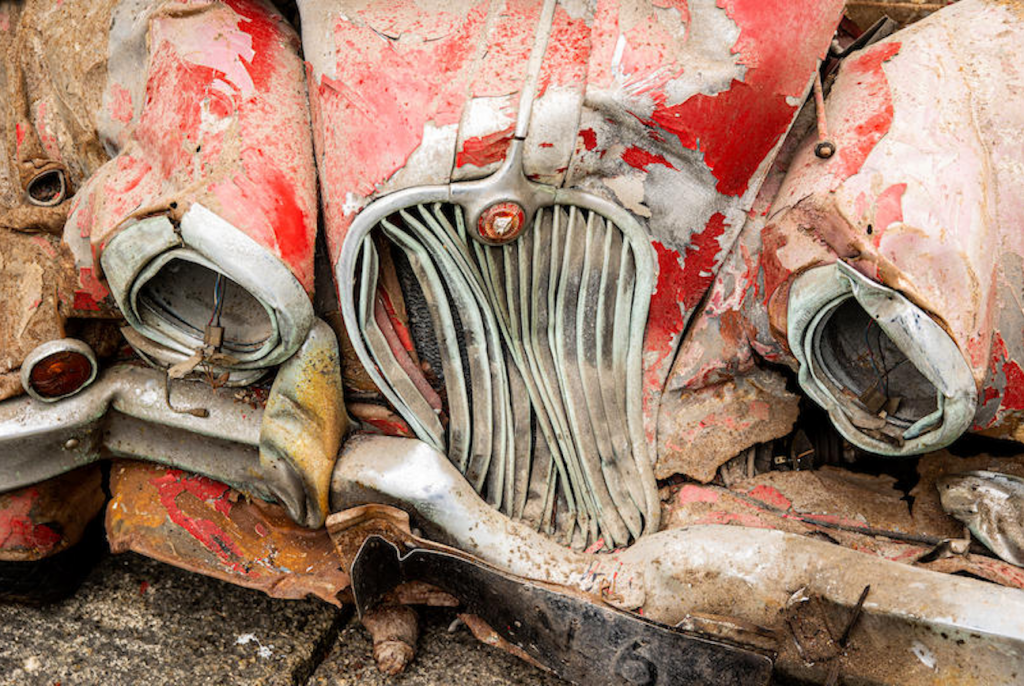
675	342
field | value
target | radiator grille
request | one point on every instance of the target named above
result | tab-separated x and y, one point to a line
540	345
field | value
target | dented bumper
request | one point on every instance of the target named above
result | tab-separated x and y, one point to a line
281	449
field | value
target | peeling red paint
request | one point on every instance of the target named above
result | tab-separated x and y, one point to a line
737	129
266	41
93	291
176	482
485	150
648	58
1013	394
509	40
888	210
638	158
384	94
700	259
279	218
565	61
589	138
225	127
665	319
770	496
773	240
873	117
691	493
168	126
121	104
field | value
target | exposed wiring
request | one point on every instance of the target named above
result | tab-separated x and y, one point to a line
218	301
881	355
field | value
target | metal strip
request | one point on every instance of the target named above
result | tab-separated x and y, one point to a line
573	392
451	360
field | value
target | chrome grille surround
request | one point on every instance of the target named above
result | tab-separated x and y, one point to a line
540	350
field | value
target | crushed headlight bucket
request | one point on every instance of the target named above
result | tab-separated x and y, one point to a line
891	378
175	284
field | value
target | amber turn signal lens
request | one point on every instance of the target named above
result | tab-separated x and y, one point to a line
502	222
60	374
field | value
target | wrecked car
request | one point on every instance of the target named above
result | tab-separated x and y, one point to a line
674	342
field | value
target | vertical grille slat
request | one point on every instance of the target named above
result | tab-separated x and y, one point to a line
588	337
539	348
568	326
475	460
415	408
436	296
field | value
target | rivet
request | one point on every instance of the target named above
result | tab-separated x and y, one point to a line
71	444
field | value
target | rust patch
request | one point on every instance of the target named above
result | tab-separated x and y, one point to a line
207	527
700	430
33	286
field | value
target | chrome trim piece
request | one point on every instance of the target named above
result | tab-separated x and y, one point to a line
283	453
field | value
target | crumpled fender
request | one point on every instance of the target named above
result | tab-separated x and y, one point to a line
918	198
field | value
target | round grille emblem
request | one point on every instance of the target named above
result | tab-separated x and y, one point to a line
502	222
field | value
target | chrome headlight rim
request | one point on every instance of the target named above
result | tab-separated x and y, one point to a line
814	298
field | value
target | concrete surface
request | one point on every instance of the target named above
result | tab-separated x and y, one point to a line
137	621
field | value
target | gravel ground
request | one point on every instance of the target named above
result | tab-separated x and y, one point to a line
137	621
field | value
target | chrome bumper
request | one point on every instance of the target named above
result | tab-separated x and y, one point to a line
283	453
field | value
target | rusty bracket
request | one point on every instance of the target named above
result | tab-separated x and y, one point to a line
577	638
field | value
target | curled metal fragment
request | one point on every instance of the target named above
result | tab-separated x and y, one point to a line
305	419
992	507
